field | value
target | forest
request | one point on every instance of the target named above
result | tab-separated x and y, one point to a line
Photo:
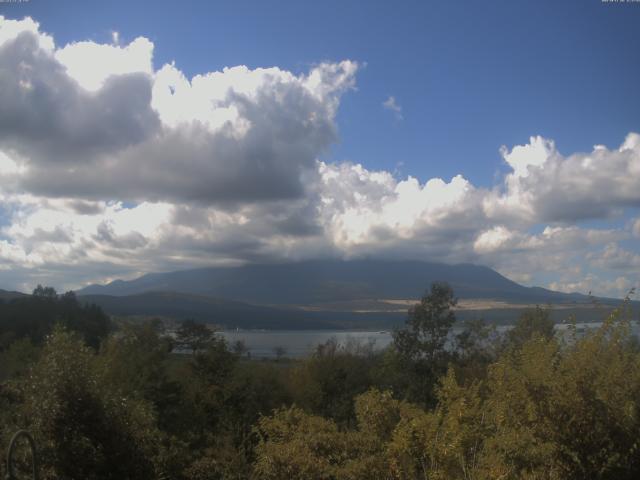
109	399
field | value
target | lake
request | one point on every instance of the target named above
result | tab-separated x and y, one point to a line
300	343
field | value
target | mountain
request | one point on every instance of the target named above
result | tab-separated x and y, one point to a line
7	295
206	309
317	282
231	315
323	294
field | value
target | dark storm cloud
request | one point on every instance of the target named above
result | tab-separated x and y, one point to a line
48	119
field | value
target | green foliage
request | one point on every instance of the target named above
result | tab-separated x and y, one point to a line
34	316
568	412
420	347
45	293
445	443
428	325
214	365
477	345
544	410
532	322
82	429
326	383
135	362
220	401
297	446
434	406
16	359
193	336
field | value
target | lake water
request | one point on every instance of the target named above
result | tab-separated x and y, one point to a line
300	343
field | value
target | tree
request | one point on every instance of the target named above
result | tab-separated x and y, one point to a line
84	430
420	345
17	359
48	293
326	382
532	322
89	320
296	445
428	325
546	410
445	443
477	345
135	362
194	336
35	315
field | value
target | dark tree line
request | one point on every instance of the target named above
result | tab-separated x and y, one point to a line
33	317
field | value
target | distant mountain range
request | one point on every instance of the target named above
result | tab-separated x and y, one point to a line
7	295
324	294
230	314
317	282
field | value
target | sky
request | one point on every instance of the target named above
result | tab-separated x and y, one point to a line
154	136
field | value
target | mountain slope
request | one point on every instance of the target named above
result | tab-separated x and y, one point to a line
313	282
232	315
7	295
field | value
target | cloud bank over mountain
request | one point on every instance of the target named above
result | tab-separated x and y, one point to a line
110	167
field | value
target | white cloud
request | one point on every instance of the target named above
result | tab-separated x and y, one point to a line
612	256
238	135
392	105
91	64
10	29
49	231
553	238
523	158
9	167
205	99
493	239
109	167
546	186
618	287
359	207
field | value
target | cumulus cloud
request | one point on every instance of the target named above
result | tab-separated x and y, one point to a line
364	211
559	238
51	126
10	29
110	168
91	64
95	121
545	186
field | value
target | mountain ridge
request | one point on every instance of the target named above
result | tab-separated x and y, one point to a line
225	313
333	280
10	295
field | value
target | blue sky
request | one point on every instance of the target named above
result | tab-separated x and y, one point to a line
491	73
465	78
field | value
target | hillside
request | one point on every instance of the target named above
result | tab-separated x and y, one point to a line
7	295
314	282
224	313
348	315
